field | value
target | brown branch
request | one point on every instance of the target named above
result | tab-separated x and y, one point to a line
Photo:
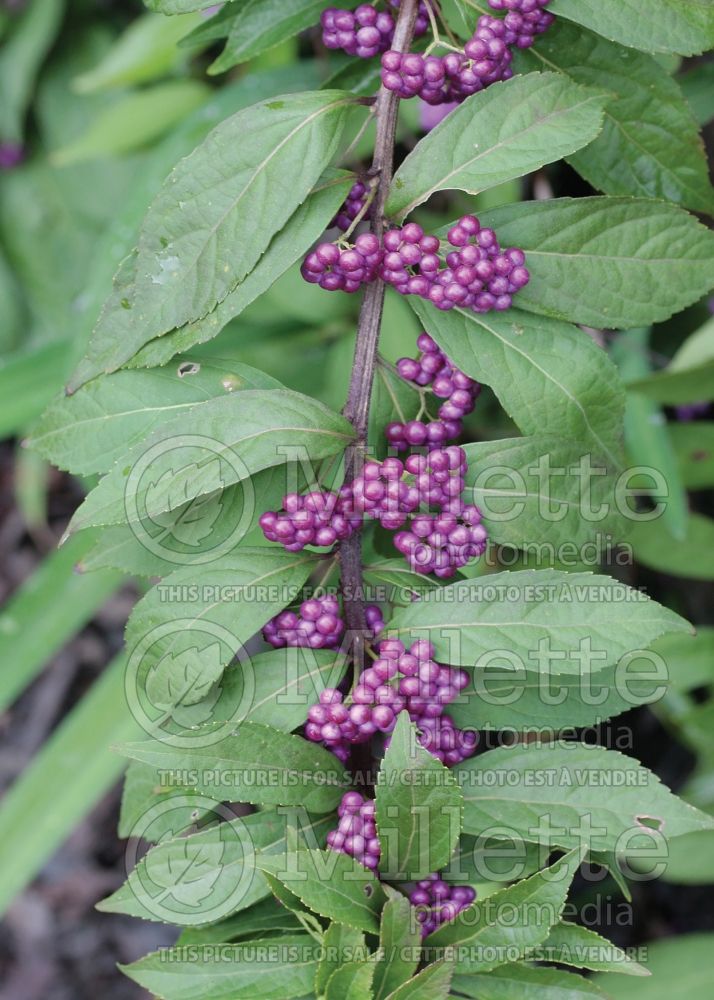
370	320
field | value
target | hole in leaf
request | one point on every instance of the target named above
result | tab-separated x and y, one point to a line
650	822
368	891
188	368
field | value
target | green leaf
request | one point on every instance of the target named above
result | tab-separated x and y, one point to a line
224	602
549	377
679	966
694	447
399	945
134	121
432	983
698	87
688	376
331	884
504	132
691	558
418	808
22	54
255	764
397	580
690	859
491	931
571	944
493	859
52	605
527	611
208	875
210	224
341	944
261	24
75	760
274	969
286	247
650	144
690	659
624	803
28	380
682	26
229	439
261	918
523	982
351	982
504	695
529	491
607	262
647	438
183	6
146	50
94	428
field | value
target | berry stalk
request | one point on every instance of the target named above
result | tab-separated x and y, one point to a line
356	409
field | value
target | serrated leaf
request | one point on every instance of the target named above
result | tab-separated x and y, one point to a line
224	601
286	247
493	859
255	764
341	943
432	983
607	262
352	981
261	24
529	490
682	26
399	945
698	87
262	918
504	132
523	982
332	885
205	876
489	932
184	679
418	808
502	695
650	144
549	377
246	432
209	226
517	611
89	431
571	944
624	802
274	969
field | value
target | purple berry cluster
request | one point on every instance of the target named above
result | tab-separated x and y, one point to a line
351	207
443	543
398	680
459	393
356	833
477	275
486	57
343	270
437	902
366	31
317	625
317	518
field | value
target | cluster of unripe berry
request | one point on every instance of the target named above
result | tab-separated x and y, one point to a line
317	625
476	273
437	902
432	369
366	31
421	495
398	680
